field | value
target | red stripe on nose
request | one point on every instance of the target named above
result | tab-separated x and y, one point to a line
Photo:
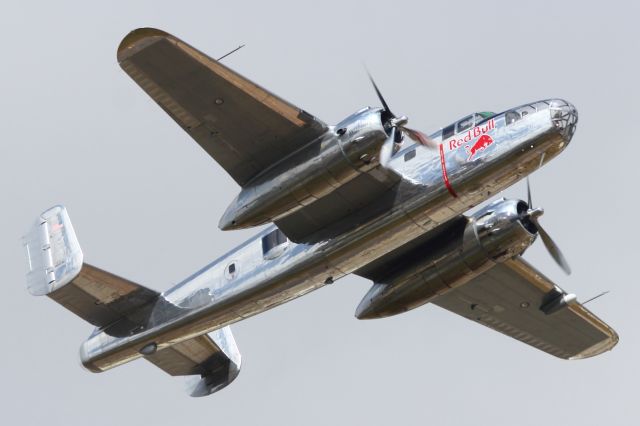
445	177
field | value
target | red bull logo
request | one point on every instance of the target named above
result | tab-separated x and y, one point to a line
481	144
471	134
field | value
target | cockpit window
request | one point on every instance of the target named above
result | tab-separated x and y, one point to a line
477	118
448	131
481	117
541	105
511	117
465	123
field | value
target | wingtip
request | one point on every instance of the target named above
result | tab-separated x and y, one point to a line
599	348
137	39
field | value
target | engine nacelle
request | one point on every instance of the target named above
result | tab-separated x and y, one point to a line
455	253
309	174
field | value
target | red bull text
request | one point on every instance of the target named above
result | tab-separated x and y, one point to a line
478	131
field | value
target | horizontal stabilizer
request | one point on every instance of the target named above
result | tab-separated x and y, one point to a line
214	358
56	269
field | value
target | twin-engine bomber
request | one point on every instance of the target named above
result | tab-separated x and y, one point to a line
355	198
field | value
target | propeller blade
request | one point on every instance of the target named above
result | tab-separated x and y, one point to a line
420	137
384	103
552	247
529	194
387	148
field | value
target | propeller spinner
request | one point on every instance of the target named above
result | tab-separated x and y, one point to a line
395	123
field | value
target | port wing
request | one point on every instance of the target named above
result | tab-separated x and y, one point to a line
517	300
242	126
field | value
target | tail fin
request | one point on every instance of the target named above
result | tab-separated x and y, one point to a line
119	306
53	253
57	269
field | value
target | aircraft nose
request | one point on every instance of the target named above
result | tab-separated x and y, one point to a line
565	117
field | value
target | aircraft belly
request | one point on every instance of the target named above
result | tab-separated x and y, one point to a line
416	209
257	292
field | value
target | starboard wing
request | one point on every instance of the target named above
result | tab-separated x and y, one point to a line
244	127
515	299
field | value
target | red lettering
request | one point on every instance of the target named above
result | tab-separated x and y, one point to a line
472	134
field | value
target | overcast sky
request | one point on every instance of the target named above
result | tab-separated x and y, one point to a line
145	202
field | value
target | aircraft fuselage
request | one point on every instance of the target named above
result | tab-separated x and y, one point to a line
469	167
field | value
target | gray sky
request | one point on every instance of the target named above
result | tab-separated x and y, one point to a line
145	201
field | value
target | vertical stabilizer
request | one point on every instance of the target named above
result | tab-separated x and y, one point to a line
53	253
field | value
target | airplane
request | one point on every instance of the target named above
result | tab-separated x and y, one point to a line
368	196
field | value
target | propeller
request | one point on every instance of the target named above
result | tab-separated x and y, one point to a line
395	123
533	214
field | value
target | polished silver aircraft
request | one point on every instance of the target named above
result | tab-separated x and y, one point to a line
355	198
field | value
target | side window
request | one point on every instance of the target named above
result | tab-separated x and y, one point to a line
464	124
511	117
448	131
274	244
525	110
541	106
409	155
231	271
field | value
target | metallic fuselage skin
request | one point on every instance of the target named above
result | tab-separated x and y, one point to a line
212	298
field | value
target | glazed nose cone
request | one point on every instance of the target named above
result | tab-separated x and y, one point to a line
565	117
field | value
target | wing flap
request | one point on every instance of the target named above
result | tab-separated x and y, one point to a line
343	208
244	127
509	297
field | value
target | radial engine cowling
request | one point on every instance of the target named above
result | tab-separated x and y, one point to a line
450	256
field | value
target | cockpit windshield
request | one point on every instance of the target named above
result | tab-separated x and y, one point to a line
484	116
466	123
473	120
